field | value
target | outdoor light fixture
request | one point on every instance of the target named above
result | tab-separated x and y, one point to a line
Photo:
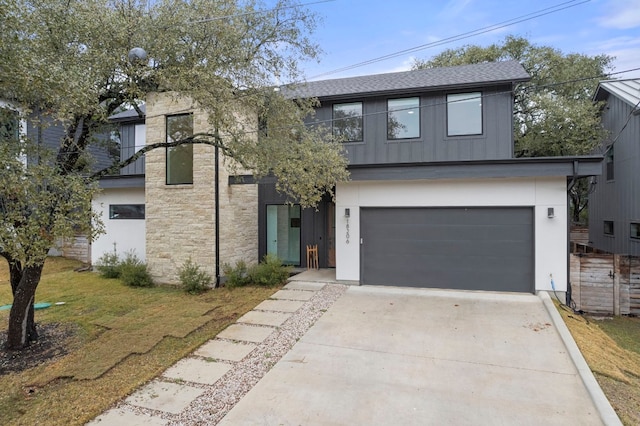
550	213
347	212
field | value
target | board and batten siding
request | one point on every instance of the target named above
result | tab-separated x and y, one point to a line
618	200
433	144
132	138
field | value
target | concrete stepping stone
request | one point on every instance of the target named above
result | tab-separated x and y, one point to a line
222	349
245	333
293	295
274	319
165	396
303	285
197	371
119	417
279	305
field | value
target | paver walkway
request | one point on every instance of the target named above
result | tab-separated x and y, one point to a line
158	402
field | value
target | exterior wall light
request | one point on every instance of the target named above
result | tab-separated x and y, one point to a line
347	212
550	213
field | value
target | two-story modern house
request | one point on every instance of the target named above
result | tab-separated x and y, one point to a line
436	198
614	204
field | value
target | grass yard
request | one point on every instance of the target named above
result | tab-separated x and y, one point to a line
611	347
116	338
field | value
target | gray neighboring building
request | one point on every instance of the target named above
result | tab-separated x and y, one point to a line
614	205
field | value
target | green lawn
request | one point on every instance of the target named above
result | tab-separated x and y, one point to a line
125	337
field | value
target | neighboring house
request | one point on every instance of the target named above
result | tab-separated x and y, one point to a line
614	204
435	199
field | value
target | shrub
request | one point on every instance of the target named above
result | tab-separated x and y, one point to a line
134	272
270	272
109	265
235	276
193	279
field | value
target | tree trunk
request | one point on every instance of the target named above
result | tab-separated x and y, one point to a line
22	327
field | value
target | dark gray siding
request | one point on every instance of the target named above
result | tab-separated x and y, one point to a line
50	134
618	200
47	135
456	248
127	149
313	224
496	142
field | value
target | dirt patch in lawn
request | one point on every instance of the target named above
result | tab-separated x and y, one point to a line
55	341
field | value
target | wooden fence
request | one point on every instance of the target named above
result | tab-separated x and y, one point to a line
605	284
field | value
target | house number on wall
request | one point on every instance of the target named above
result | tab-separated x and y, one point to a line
347	231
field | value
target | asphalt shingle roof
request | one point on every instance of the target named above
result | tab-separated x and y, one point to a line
433	78
128	115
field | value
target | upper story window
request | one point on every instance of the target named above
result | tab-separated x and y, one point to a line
634	232
403	118
347	121
464	114
608	160
179	158
608	227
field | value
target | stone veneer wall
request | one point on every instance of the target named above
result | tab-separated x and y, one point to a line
180	219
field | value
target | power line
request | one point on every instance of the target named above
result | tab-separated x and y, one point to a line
468	34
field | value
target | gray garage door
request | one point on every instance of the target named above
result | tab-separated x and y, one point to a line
455	248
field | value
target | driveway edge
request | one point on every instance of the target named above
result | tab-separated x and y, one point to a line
606	411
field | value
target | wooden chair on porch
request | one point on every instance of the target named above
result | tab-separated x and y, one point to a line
312	257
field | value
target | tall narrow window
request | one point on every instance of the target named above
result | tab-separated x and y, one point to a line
608	160
464	114
347	121
179	158
283	232
403	118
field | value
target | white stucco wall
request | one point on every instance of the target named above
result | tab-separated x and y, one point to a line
540	193
127	234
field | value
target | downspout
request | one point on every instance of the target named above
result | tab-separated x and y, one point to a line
217	202
569	188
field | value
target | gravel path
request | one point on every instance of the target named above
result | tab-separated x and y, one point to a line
219	398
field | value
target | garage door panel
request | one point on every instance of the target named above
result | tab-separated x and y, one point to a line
460	248
446	248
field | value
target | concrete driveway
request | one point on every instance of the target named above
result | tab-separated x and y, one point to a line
390	356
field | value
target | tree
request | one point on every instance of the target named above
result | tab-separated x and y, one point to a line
67	62
553	114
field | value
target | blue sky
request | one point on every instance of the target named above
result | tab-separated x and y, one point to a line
353	31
